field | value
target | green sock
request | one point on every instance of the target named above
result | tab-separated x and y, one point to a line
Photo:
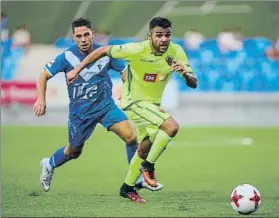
134	170
159	145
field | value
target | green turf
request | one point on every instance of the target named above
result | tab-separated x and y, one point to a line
199	170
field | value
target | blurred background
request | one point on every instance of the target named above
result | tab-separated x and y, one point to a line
232	47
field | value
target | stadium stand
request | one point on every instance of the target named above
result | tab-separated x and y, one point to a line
9	59
247	70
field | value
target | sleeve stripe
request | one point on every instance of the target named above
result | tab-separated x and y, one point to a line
48	71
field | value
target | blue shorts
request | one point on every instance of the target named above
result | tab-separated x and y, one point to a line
81	129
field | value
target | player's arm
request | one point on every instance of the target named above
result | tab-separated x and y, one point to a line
92	57
50	70
182	66
39	108
124	52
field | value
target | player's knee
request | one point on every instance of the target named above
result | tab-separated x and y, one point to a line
174	130
76	154
142	153
171	127
131	138
144	148
72	152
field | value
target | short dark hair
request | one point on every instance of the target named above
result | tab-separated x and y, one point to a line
81	21
160	22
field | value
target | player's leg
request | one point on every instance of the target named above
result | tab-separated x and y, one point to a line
143	119
128	187
128	190
167	131
140	183
116	121
124	130
79	132
131	149
168	128
134	178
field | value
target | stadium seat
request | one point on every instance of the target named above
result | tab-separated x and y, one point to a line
262	43
251	48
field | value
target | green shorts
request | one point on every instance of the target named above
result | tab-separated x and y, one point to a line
147	118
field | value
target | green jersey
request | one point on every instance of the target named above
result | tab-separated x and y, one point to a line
147	74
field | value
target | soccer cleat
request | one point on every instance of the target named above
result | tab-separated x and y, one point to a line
46	175
131	194
149	177
140	184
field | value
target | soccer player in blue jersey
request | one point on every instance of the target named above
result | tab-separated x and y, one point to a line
91	103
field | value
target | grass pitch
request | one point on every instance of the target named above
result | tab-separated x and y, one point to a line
199	170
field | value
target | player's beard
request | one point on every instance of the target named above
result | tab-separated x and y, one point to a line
164	48
158	49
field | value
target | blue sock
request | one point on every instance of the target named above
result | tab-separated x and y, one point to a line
58	158
131	151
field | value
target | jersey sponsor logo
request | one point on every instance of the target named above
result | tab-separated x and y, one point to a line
150	77
85	91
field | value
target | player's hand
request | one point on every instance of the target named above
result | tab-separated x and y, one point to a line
72	76
39	108
178	67
190	78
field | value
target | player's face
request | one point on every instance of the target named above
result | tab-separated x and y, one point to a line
160	39
83	36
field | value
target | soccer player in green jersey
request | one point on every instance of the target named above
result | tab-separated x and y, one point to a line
150	65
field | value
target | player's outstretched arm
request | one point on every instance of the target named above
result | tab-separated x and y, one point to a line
93	56
39	108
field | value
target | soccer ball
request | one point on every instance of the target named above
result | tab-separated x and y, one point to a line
245	199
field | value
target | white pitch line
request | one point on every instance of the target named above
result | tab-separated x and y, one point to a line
211	142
